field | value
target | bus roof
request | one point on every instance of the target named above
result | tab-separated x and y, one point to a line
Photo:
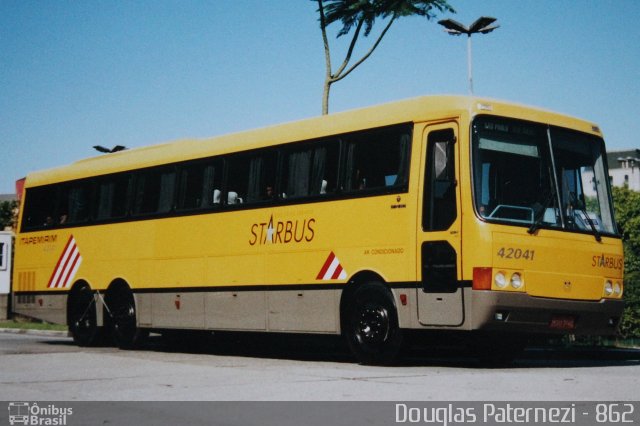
417	109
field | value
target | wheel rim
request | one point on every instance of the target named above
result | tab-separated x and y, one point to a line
372	324
83	326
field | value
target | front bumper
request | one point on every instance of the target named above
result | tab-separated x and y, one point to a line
519	312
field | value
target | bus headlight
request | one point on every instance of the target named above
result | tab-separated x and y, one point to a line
500	280
608	288
516	280
617	289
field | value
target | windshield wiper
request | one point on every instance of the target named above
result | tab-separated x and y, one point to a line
539	217
596	233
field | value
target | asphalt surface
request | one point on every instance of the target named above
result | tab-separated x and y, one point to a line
48	366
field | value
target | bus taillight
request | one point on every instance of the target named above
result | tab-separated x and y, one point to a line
482	278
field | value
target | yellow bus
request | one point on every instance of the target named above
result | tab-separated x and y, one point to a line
436	213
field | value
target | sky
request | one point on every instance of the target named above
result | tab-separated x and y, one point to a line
74	74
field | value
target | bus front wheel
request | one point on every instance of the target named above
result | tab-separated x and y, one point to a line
371	325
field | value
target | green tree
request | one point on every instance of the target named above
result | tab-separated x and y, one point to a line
7	214
361	14
627	207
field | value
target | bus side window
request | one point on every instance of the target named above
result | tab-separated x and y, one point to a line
3	267
310	169
439	202
40	207
251	178
78	202
112	197
197	187
377	159
154	191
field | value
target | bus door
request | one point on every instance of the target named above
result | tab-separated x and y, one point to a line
440	297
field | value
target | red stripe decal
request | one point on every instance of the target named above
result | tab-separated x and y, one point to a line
326	265
55	270
337	272
74	259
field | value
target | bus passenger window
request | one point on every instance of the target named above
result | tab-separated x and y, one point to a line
154	191
308	169
197	183
74	204
112	195
39	207
377	159
250	176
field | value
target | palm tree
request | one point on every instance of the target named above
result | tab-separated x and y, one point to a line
363	13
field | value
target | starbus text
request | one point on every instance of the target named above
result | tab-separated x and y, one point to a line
282	232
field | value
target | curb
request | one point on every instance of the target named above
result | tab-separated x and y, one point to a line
33	332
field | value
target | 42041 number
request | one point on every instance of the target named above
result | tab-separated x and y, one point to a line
516	253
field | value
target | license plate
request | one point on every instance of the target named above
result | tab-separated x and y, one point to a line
563	323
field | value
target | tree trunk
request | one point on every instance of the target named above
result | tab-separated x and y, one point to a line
325	96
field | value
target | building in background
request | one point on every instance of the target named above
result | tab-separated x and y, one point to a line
624	168
624	171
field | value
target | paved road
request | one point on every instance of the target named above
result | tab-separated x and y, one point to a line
34	367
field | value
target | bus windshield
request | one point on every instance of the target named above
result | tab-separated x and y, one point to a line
534	175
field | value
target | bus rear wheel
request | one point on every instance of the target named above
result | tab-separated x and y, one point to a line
371	325
123	319
81	316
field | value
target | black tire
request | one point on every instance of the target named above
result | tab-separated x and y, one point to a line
371	325
81	316
122	318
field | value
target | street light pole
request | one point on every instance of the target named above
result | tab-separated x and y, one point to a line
469	66
481	25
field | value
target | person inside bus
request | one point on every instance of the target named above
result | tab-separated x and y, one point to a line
360	180
48	221
269	193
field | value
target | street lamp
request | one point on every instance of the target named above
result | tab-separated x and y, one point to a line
481	25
